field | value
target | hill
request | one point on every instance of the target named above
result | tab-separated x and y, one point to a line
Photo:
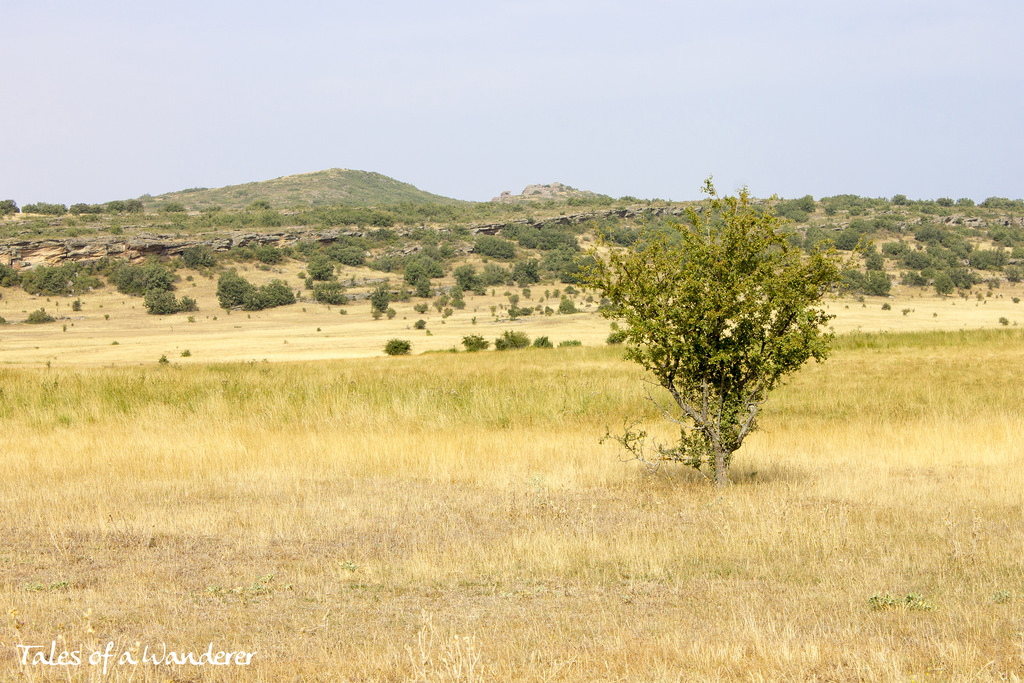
321	188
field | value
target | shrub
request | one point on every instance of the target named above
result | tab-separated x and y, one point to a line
330	293
199	256
542	343
398	347
567	306
160	303
276	293
9	277
233	290
379	299
475	342
495	247
511	339
617	337
320	267
420	324
142	279
1004	321
570	342
39	317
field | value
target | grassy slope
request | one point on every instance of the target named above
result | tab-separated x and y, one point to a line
383	519
321	188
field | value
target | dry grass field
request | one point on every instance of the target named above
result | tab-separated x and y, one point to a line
455	516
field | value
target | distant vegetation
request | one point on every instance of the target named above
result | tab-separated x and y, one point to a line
950	246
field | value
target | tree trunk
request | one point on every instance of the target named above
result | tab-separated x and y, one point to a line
721	469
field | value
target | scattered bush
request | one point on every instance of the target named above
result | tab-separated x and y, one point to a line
332	292
199	256
39	317
570	342
398	347
617	337
475	342
542	343
494	247
511	339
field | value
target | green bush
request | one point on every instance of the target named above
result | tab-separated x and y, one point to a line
420	324
570	342
398	347
39	317
542	343
494	247
142	279
617	337
233	290
511	339
160	303
379	299
330	293
475	342
566	306
199	256
320	267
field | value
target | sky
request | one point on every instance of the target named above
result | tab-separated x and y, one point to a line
112	99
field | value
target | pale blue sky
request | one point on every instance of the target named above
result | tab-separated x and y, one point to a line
110	99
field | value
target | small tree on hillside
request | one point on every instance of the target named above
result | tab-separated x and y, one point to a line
719	311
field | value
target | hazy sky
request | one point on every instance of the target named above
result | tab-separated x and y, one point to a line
110	99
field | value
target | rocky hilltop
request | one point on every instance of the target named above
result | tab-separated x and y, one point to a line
534	193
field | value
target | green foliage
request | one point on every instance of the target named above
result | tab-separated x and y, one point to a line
570	342
199	256
421	267
45	209
719	315
475	342
348	255
943	283
330	293
511	339
494	247
420	324
566	306
139	280
40	316
275	293
494	275
68	278
9	277
398	347
164	303
8	207
320	267
233	290
466	278
380	298
268	254
526	272
542	343
617	337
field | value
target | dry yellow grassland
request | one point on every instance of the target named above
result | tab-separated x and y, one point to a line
455	517
312	331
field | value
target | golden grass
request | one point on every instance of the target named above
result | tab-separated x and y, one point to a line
454	517
113	329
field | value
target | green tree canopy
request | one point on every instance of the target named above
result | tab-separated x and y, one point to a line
719	312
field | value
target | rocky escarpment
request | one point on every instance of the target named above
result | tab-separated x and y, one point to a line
29	253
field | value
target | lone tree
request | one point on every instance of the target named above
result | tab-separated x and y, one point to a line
719	309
